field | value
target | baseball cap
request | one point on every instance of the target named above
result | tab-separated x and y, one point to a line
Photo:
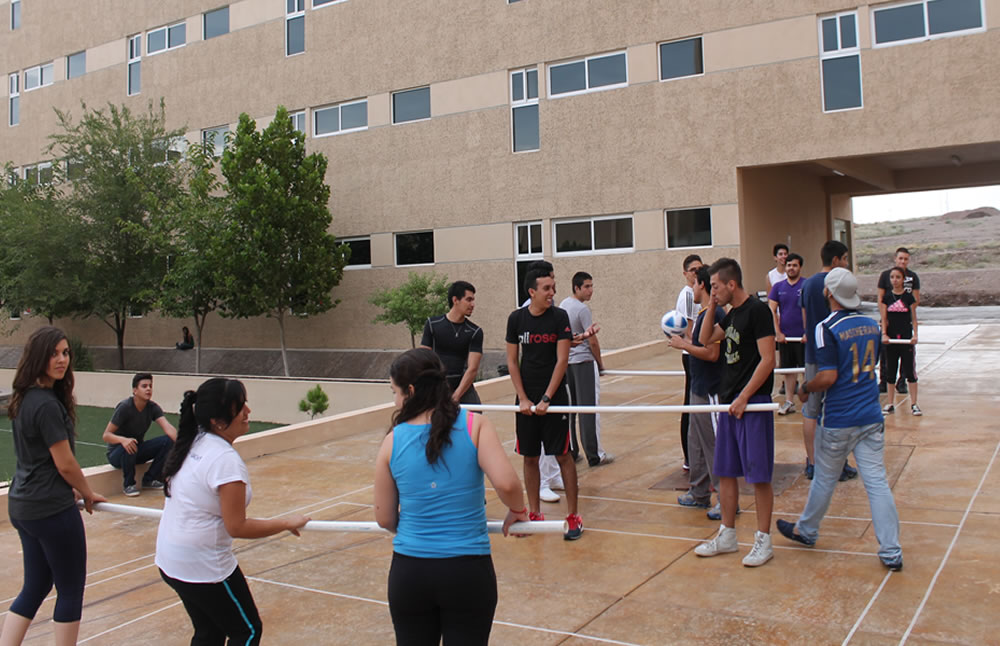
843	287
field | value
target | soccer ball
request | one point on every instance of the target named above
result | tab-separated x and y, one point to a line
673	323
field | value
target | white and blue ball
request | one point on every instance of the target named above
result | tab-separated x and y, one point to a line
673	323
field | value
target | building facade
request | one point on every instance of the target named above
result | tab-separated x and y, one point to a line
470	138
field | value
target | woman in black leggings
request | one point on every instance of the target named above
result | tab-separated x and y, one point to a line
41	502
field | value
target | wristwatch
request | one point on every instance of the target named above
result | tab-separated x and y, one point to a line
803	389
546	399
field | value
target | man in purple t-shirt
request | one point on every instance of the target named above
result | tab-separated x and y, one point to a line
784	303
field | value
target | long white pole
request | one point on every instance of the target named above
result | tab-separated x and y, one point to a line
694	408
680	373
492	526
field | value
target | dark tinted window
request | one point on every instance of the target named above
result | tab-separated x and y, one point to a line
899	23
613	234
954	15
830	43
354	115
415	248
573	236
680	58
216	23
526	128
76	65
689	228
848	31
842	83
361	251
568	78
411	105
295	35
609	70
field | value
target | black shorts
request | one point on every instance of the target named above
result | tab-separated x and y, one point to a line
550	431
792	355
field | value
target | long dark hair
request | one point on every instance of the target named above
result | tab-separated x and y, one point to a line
422	369
219	399
33	365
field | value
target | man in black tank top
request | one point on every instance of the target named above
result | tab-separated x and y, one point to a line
457	341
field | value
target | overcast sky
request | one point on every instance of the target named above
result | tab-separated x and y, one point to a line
903	206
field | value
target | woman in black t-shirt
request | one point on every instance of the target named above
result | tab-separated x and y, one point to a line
899	321
41	501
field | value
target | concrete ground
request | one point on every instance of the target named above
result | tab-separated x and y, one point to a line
633	578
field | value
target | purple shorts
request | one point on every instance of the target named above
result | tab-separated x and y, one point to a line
745	447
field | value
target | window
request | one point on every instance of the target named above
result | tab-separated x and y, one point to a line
689	228
299	120
164	38
529	239
295	27
134	61
45	173
524	109
361	252
14	311
172	150
840	62
215	23
344	117
912	22
38	76
680	58
411	105
216	137
321	3
595	73
15	14
415	248
14	105
604	234
76	65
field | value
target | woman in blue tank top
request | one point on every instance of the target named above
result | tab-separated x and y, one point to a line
429	491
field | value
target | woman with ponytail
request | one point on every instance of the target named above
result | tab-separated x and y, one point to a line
429	491
207	489
41	501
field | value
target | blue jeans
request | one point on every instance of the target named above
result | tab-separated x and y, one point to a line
154	449
833	445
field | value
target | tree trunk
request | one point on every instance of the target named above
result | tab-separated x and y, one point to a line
199	326
413	341
120	320
284	353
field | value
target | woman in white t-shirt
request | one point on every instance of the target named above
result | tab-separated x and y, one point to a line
207	491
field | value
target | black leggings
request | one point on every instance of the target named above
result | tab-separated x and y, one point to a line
453	598
220	610
55	551
685	418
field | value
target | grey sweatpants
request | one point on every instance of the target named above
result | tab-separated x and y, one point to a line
585	389
701	450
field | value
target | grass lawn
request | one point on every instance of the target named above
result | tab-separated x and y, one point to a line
90	450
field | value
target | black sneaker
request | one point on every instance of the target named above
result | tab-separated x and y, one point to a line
895	564
849	473
901	387
787	530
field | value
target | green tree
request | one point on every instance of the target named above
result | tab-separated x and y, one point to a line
281	259
315	403
412	303
124	179
192	285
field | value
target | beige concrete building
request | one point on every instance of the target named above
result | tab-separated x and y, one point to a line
470	137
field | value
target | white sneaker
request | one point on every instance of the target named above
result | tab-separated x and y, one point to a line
761	552
547	495
723	543
787	407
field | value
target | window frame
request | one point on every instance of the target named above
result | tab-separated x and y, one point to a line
69	57
324	3
41	76
927	24
711	227
593	250
392	106
15	15
291	15
586	74
840	52
340	118
369	239
530	255
219	146
524	102
204	21
13	93
133	55
659	58
395	248
166	38
305	121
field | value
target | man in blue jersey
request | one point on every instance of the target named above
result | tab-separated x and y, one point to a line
847	350
814	309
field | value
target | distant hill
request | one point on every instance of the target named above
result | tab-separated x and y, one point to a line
957	255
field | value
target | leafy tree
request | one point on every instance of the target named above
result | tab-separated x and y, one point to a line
315	403
412	303
124	180
192	285
280	258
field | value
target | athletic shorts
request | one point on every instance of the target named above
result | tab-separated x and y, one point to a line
549	431
905	358
745	446
813	405
792	355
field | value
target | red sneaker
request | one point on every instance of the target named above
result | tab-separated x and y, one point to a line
575	530
534	516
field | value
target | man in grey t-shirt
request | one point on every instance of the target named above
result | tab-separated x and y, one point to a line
585	365
126	432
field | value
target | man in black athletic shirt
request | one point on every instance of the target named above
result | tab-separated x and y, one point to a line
541	334
457	341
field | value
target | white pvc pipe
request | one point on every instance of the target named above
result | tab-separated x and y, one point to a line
693	408
793	339
789	371
798	339
680	373
492	526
